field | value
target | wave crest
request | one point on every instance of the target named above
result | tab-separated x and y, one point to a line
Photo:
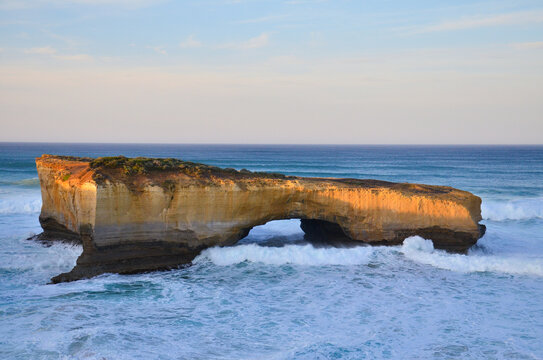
422	251
288	254
414	248
57	256
26	206
30	182
513	210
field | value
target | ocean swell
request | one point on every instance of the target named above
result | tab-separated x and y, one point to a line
30	182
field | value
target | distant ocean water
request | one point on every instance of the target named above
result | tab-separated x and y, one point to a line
272	296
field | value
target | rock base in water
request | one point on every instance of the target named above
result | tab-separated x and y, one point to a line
134	215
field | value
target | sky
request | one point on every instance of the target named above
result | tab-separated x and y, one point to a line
273	72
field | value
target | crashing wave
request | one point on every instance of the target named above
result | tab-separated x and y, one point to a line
57	256
414	248
288	254
422	251
522	209
26	206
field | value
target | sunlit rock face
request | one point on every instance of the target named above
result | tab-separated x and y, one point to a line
134	215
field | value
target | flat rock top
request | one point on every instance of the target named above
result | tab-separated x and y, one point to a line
160	170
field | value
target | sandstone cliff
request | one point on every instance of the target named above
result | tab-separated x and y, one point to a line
134	215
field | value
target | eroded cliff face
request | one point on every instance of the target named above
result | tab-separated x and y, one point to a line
68	197
134	216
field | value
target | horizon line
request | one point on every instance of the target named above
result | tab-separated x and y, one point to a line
265	144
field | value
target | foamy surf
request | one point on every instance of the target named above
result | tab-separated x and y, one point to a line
253	310
414	248
521	209
422	251
57	257
288	254
20	206
276	228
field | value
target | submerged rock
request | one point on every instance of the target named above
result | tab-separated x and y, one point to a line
134	215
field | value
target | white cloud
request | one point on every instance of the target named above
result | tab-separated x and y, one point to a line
298	2
262	19
74	57
316	39
46	50
190	42
158	49
52	52
253	43
109	2
514	18
529	45
28	4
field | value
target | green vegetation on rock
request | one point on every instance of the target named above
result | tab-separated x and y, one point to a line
142	165
139	165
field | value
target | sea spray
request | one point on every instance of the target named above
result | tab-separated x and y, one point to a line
288	254
20	206
422	251
57	257
519	209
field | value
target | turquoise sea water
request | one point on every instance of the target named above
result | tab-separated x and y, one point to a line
272	296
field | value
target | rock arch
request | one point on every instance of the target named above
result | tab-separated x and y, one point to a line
141	214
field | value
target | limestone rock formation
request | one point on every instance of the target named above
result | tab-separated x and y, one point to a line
134	215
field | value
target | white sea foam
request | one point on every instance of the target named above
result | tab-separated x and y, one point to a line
20	206
414	248
422	251
521	209
58	256
276	228
288	254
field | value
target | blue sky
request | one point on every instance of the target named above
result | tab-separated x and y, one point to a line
221	71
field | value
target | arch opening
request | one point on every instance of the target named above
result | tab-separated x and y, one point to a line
319	233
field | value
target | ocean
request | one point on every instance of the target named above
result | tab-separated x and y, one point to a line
273	296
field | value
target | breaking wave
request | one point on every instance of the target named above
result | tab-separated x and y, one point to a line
58	257
523	209
422	251
414	248
31	182
28	182
288	254
26	206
